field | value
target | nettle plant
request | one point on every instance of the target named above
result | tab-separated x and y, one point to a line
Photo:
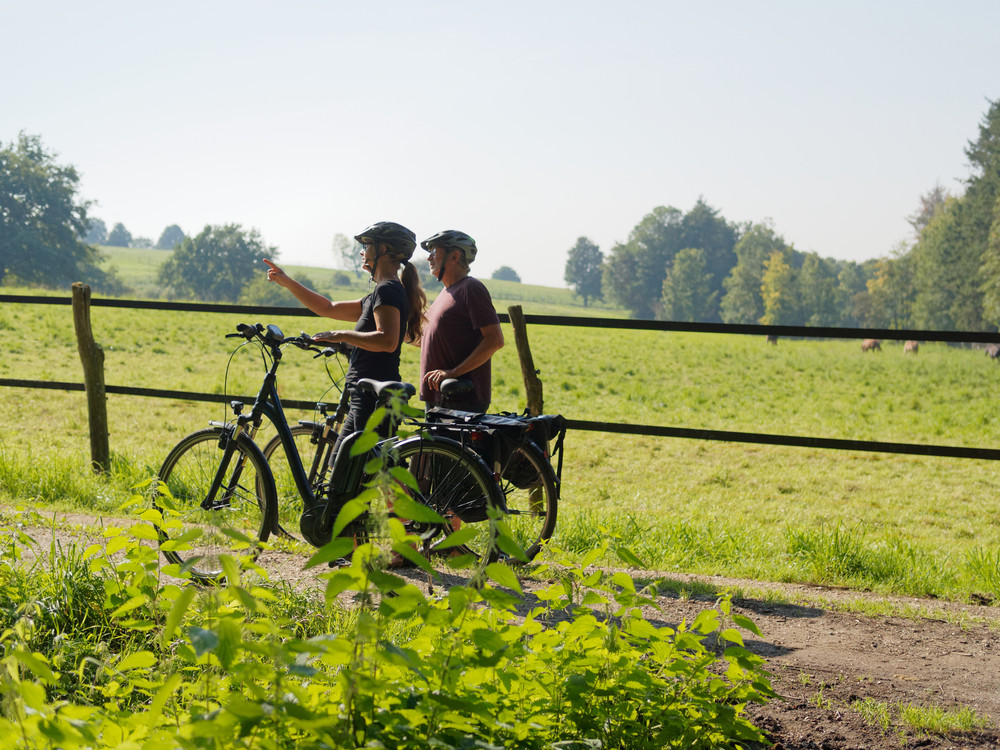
161	662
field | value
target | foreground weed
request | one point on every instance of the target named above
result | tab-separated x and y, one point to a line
221	667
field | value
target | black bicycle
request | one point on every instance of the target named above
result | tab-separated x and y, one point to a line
386	498
519	449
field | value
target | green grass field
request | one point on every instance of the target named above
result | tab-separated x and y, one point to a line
905	524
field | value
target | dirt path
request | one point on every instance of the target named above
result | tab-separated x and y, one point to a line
822	656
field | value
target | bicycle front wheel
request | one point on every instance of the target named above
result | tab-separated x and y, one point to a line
531	493
455	483
315	454
232	520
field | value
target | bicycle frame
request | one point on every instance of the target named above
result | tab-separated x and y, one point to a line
268	404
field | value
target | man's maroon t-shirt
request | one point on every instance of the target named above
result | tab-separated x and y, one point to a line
452	331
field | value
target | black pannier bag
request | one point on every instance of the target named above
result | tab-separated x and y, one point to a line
497	439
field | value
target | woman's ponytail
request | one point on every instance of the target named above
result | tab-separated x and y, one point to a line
418	301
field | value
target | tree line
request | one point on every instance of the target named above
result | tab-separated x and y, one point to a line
697	266
693	266
98	234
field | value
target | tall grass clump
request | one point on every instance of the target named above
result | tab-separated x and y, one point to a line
834	553
67	481
983	569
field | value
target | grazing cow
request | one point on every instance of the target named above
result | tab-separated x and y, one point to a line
911	346
993	351
871	345
772	339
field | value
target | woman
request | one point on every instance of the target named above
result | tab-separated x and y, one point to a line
392	313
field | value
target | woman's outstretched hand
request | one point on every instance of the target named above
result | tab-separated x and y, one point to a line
275	274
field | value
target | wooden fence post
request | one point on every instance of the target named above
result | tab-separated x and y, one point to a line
92	357
532	383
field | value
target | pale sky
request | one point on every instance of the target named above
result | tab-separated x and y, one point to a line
525	124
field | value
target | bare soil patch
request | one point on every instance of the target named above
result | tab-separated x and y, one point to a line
822	657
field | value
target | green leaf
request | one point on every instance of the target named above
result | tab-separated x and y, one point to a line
365	443
461	536
747	624
629	558
508	546
732	635
244	709
339	582
144	531
624	580
136	660
163	695
404	477
230	639
134	603
405	507
488	640
503	576
706	622
202	640
334	550
37	664
591	557
350	511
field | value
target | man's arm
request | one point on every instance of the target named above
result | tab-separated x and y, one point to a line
491	343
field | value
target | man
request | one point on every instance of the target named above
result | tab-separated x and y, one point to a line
462	330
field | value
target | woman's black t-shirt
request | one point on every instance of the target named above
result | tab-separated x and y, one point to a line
379	365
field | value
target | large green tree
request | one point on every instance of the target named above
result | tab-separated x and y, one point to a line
702	228
851	293
42	219
991	271
634	271
170	238
216	265
817	287
779	292
743	302
891	291
506	273
119	236
584	269
947	264
688	294
953	267
97	232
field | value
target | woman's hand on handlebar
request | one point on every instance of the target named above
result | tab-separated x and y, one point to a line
329	337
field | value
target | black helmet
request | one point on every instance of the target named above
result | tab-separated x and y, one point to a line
451	239
399	238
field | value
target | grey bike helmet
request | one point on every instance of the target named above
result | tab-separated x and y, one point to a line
451	239
399	238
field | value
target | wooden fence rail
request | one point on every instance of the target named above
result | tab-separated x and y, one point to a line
533	385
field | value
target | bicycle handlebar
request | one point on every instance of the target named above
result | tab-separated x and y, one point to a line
273	336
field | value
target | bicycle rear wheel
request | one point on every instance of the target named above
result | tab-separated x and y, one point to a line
242	513
531	493
315	452
456	484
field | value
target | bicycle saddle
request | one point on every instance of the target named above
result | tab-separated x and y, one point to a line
378	387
